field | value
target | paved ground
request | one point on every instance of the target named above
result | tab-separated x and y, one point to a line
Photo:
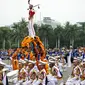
65	73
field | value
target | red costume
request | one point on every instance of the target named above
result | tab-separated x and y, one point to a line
31	13
30	18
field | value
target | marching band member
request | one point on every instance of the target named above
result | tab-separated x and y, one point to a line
15	61
62	64
43	79
23	71
3	76
1	72
83	73
43	64
22	74
76	73
32	66
40	47
15	64
56	72
20	67
51	64
70	56
26	42
33	78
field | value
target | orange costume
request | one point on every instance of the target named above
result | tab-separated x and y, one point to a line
26	41
46	66
15	64
41	48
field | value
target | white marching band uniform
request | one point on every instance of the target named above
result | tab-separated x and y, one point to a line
76	79
69	58
52	79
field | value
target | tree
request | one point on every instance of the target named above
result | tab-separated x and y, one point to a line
36	27
4	37
19	31
70	32
58	31
45	33
82	33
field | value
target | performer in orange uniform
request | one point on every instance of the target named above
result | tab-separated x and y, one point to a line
41	48
26	41
15	63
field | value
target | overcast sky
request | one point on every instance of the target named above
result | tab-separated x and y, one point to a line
59	10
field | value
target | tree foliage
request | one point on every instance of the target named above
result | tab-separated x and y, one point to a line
69	34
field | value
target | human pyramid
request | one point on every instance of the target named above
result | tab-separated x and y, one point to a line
32	66
31	62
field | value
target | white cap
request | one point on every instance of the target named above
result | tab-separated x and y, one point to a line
53	58
42	62
84	60
63	48
2	63
75	58
22	61
26	60
51	61
5	69
71	46
57	57
31	62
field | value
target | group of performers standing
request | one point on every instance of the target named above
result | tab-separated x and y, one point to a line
34	68
43	71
